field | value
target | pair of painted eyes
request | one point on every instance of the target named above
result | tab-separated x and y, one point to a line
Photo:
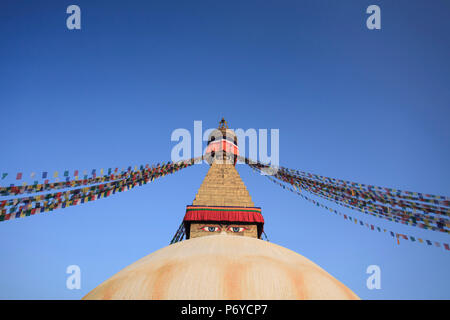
230	229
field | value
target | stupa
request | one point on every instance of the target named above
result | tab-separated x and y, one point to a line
223	203
223	256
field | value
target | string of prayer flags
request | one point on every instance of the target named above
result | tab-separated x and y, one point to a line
26	206
405	208
45	186
371	227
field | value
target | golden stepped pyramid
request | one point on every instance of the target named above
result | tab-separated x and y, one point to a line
223	186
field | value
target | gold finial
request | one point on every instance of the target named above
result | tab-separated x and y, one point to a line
223	124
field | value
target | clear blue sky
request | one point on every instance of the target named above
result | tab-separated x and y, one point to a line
367	106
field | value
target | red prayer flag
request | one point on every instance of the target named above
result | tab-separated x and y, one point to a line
19	176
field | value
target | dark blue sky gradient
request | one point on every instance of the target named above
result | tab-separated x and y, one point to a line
350	103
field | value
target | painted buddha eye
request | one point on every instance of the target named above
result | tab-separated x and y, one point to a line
236	229
210	229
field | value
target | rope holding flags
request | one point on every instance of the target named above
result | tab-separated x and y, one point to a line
405	209
26	206
76	182
359	222
181	232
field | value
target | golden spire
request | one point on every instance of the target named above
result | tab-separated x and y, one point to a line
223	124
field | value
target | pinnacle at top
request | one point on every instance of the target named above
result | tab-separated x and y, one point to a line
223	124
224	129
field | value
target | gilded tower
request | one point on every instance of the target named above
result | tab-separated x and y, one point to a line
223	204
